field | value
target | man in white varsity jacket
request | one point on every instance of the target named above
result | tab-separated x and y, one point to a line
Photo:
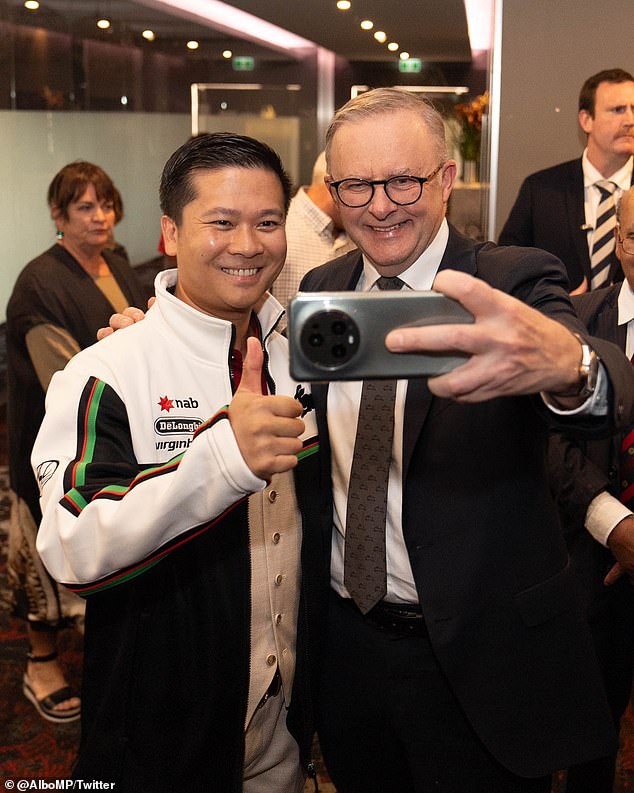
170	477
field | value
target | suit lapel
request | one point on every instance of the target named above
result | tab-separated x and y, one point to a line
576	215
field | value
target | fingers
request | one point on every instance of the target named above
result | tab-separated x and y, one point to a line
103	332
267	428
613	575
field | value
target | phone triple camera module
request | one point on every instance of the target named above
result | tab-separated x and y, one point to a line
330	339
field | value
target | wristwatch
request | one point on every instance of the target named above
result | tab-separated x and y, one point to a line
588	371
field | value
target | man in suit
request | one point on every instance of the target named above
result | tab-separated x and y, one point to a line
588	481
557	208
455	675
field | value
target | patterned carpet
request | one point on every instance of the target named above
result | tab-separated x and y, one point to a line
32	748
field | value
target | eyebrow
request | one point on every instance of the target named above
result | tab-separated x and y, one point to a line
236	212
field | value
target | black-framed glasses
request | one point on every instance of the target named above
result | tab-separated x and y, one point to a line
401	190
627	243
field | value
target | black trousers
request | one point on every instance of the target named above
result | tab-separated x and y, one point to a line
389	723
611	619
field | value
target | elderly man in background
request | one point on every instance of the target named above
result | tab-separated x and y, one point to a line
594	485
314	233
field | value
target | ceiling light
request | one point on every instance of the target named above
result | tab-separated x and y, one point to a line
380	36
227	54
392	46
343	5
31	5
103	23
192	45
148	35
367	24
404	55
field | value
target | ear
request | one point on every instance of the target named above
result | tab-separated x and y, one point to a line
450	170
585	121
56	213
170	235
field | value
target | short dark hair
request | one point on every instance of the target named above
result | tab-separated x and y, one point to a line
212	151
71	181
588	91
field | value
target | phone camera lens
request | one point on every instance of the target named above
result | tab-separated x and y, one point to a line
338	351
338	327
316	340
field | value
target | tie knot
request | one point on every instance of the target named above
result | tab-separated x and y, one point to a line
389	283
606	187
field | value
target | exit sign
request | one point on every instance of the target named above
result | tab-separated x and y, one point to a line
243	63
410	66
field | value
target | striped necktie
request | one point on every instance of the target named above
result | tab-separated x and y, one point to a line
365	569
603	235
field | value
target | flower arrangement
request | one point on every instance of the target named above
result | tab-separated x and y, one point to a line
469	116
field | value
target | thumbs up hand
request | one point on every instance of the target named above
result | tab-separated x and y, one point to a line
267	428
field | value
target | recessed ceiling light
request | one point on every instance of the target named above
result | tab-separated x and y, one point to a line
344	5
227	53
192	45
103	23
380	36
404	55
31	5
148	35
392	46
367	24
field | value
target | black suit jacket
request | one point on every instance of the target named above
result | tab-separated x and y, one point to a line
549	213
581	469
483	537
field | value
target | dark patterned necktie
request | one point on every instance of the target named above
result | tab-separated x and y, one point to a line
603	236
626	470
365	574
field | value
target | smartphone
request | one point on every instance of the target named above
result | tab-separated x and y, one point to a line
341	335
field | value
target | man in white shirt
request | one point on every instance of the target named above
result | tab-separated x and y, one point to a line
468	667
557	209
314	233
591	484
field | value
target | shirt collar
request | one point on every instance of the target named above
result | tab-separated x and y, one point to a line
321	221
622	178
626	304
419	275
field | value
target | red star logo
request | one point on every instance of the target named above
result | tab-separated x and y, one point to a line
165	403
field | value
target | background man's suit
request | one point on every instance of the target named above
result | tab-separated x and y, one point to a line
580	471
549	213
487	553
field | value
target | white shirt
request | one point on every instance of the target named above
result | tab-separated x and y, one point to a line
343	411
605	510
591	195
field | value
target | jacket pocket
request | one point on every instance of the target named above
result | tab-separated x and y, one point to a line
543	601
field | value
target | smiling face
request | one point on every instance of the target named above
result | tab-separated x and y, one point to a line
88	224
611	130
230	244
379	147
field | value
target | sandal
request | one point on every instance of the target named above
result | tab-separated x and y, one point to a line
46	706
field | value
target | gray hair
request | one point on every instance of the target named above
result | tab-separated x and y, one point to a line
380	101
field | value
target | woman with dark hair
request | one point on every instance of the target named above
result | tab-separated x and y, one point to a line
59	301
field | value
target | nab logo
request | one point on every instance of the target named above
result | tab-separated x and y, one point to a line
167	404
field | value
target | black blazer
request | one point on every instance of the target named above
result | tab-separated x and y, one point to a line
482	532
580	469
548	213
